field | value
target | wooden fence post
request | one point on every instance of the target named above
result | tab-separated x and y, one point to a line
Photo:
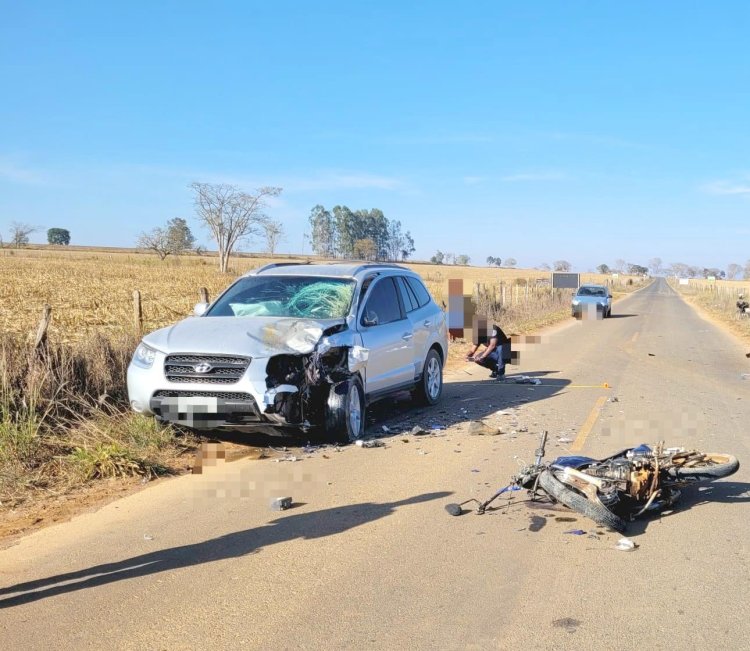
204	295
41	332
137	312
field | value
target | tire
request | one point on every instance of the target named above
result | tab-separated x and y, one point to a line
430	386
579	502
345	411
706	467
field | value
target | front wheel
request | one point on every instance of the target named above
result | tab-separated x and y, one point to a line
345	411
697	466
430	386
579	502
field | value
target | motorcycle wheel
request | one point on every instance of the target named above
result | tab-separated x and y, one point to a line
579	502
704	467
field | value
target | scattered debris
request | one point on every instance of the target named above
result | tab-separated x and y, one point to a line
536	523
564	519
745	376
478	428
614	399
454	509
418	431
386	429
147	536
370	443
525	379
564	439
651	355
288	457
625	545
576	532
475	470
281	504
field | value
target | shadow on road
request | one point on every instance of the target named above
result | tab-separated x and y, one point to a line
464	400
621	316
723	492
472	399
317	524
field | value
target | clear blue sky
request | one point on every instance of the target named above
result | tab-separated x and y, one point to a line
586	131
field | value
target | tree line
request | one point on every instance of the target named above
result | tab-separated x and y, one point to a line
361	234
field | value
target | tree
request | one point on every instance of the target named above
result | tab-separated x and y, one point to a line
323	232
463	259
179	236
365	249
231	215
746	273
273	231
437	258
603	269
713	271
561	265
680	269
173	239
637	270
619	265
509	262
58	236
490	260
450	258
19	233
544	267
655	265
733	271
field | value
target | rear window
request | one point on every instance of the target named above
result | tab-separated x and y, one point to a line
423	296
407	294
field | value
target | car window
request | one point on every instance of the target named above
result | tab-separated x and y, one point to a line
382	305
286	296
410	301
591	291
423	296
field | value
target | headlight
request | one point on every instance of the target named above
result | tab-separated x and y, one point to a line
576	302
144	356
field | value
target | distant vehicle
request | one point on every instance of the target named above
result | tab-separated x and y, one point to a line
294	345
592	298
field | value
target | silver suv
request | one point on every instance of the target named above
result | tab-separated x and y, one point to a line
306	346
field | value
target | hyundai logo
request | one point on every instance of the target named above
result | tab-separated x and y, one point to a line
203	367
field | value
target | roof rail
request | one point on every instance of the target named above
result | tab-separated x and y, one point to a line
274	265
377	265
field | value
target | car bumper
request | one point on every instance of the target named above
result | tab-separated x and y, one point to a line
202	405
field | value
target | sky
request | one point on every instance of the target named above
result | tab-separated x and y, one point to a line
578	130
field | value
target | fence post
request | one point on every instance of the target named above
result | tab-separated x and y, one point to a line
41	332
137	312
204	295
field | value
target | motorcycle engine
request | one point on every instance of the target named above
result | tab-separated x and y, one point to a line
616	470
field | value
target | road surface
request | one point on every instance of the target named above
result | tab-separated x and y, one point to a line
368	558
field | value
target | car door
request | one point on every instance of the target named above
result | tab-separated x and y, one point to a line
388	335
420	320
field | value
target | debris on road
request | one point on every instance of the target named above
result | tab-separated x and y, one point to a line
370	443
478	428
147	536
614	399
564	439
454	509
281	503
576	532
525	379
625	545
288	457
418	431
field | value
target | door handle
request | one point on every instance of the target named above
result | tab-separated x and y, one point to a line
407	336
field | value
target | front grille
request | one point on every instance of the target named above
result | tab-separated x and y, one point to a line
221	395
222	369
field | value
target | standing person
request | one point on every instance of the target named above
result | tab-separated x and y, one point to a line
492	356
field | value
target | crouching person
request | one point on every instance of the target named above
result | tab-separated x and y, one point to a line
496	348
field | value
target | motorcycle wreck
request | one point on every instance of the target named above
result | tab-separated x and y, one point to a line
618	489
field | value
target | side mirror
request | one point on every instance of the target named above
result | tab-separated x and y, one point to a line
200	309
369	320
609	295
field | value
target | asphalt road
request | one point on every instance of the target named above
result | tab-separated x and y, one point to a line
368	558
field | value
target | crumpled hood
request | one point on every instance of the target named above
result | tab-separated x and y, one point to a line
251	336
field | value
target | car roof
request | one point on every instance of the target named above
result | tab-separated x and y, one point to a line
594	286
333	269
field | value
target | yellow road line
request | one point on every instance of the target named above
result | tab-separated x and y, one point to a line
634	338
588	425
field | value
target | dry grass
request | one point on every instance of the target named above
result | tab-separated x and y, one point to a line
719	300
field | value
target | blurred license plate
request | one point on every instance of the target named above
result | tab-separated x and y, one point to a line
197	404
